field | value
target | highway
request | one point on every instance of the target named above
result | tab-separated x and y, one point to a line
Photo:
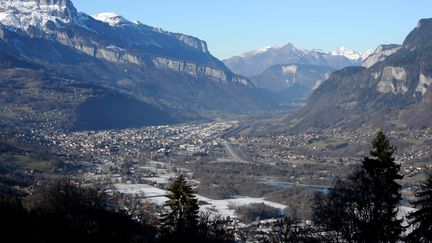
233	154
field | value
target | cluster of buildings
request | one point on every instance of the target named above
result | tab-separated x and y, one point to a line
142	161
337	147
137	145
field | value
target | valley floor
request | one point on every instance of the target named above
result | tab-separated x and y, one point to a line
228	164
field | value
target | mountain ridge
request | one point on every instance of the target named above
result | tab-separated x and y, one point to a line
37	20
172	71
394	92
255	62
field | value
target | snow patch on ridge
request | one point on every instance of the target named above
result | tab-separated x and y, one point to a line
257	51
111	18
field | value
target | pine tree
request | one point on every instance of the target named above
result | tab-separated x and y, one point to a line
363	207
383	172
181	223
421	220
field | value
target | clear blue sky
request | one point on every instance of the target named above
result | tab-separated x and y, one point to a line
231	27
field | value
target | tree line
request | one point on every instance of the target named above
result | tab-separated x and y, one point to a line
65	211
363	207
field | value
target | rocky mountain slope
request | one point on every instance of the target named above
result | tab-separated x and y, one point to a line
380	54
170	72
394	91
293	81
255	62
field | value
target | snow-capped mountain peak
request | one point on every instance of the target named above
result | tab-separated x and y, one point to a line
254	62
350	54
22	14
112	19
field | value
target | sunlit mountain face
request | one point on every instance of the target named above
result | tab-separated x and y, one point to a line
173	73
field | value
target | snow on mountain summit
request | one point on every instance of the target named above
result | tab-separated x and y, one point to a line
350	54
257	51
254	62
22	14
112	19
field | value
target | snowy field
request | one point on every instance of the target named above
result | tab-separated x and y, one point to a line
221	206
156	195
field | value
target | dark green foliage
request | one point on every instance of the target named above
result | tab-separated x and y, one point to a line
421	220
181	222
382	171
363	207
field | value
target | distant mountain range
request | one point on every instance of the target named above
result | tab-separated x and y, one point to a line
253	63
352	55
393	90
291	73
63	69
79	67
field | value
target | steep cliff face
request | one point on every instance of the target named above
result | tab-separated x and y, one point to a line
393	91
112	38
169	70
193	42
380	54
